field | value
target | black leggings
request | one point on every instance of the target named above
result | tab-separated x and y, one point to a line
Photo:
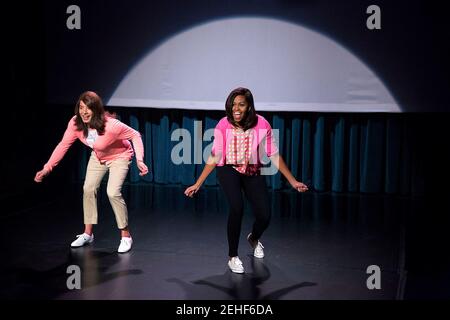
232	183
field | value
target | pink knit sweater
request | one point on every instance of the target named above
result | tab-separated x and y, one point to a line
113	144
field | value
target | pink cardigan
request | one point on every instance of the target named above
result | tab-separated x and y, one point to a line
262	136
113	144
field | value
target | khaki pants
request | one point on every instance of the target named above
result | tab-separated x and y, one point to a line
118	170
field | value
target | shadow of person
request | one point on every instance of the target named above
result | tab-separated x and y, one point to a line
51	283
242	286
238	286
95	265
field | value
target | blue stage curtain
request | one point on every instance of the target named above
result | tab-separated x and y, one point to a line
337	152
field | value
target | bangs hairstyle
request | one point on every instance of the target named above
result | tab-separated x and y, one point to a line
250	119
98	120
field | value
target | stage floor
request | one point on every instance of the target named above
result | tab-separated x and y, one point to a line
318	246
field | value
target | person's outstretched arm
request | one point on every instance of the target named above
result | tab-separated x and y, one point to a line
59	152
127	133
213	159
281	165
209	167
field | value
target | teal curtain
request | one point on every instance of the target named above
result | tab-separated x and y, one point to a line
347	152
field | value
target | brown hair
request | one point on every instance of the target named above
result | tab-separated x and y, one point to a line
99	116
250	120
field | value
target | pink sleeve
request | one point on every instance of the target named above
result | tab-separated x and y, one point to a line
219	140
125	132
271	146
62	147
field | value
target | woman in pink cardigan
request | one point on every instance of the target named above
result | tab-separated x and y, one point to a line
111	151
240	140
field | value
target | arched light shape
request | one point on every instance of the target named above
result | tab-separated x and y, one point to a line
286	66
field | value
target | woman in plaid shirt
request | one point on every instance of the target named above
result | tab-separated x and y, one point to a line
240	140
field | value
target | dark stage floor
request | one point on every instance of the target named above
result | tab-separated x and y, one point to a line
318	246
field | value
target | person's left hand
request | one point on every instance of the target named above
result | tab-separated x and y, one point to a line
142	168
40	175
299	186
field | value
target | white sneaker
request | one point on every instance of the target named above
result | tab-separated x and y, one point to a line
125	244
235	264
258	251
82	239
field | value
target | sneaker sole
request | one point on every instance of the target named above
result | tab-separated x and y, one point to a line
83	245
235	271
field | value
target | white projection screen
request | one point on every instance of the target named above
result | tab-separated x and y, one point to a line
286	66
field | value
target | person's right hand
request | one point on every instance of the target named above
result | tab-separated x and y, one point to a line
299	186
41	175
189	192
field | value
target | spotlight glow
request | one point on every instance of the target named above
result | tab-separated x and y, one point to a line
287	67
